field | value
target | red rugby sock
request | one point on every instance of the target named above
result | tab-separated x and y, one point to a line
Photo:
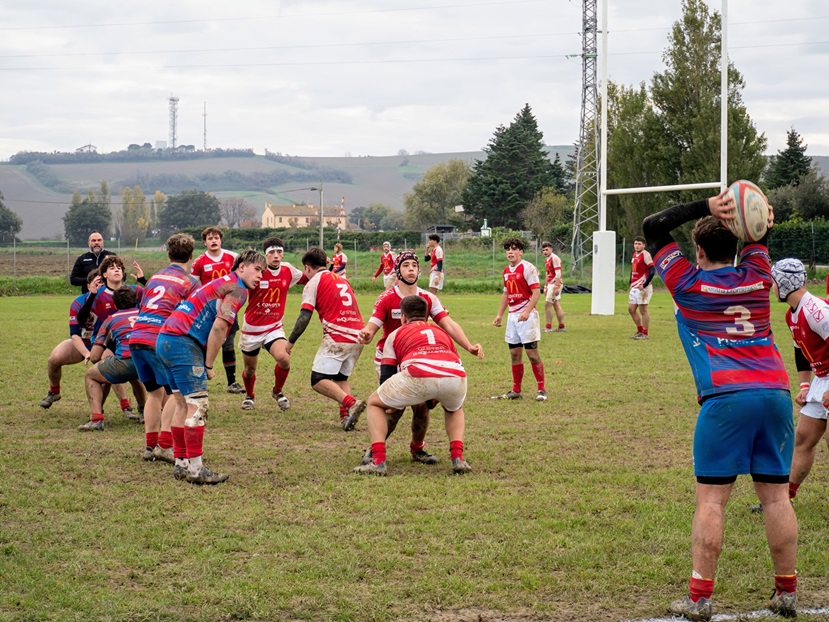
785	583
179	446
55	389
97	416
378	452
349	401
517	377
538	372
456	449
279	377
165	439
194	438
125	403
151	439
701	588
249	384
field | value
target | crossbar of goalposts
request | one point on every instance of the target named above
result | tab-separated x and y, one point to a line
604	242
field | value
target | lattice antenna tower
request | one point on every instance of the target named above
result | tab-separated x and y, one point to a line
173	104
586	209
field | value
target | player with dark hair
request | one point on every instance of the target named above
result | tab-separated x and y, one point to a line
214	263
386	267
114	335
387	315
336	305
745	421
522	290
808	320
642	272
188	345
165	290
339	261
420	363
263	323
434	255
552	289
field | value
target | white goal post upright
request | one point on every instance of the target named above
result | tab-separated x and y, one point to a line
604	242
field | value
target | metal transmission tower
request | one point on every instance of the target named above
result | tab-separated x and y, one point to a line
586	210
173	101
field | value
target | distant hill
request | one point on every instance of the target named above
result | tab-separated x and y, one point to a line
42	196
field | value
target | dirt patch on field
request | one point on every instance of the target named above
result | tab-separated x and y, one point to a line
25	264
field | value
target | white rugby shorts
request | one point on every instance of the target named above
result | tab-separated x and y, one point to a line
389	280
403	390
436	280
814	399
528	331
549	296
640	296
251	343
334	357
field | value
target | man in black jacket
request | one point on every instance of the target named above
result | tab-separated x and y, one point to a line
87	262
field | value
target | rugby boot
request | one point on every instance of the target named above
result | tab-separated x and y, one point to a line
541	396
129	413
367	457
784	604
371	469
206	476
180	471
92	426
235	387
283	402
700	610
147	455
460	466
509	395
247	403
163	455
50	399
424	457
350	420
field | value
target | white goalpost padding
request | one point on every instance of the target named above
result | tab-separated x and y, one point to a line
604	242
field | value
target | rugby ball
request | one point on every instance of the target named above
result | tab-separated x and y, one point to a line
751	211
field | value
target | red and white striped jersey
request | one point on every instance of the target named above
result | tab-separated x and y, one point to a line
519	281
207	268
639	264
434	258
336	305
266	304
424	350
809	324
339	261
386	312
386	264
553	268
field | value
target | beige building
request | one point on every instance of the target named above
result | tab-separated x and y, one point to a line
297	216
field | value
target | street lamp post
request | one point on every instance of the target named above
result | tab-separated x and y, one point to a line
321	211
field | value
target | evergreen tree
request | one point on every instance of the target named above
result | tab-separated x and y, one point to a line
191	208
10	222
515	170
790	165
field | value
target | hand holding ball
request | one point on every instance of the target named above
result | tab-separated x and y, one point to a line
751	211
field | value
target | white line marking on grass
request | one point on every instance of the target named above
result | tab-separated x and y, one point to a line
723	617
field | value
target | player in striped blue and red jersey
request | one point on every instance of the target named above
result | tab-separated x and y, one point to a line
216	262
100	301
419	364
188	345
745	421
113	335
164	291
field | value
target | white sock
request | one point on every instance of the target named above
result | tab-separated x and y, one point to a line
195	465
182	462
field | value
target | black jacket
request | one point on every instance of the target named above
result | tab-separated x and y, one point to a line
85	264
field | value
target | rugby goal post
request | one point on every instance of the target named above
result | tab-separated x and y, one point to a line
604	242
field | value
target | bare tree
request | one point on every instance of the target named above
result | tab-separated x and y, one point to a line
235	211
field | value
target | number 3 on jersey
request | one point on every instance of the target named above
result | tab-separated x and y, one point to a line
742	326
346	297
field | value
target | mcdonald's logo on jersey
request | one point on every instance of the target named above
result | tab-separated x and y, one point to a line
218	273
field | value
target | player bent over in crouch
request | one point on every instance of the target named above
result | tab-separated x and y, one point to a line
808	320
339	351
188	345
522	290
429	369
165	290
745	423
386	314
263	323
115	335
75	350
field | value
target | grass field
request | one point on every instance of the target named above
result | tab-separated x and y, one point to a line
577	509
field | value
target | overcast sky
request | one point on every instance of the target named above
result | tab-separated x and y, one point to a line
365	77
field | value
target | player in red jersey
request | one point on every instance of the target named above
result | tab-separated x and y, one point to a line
387	315
188	345
100	302
165	290
434	255
339	261
263	323
216	262
552	289
386	267
744	426
336	305
420	363
522	290
114	334
808	320
641	273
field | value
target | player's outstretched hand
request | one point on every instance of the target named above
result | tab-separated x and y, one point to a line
477	350
139	273
721	206
95	284
496	321
364	337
